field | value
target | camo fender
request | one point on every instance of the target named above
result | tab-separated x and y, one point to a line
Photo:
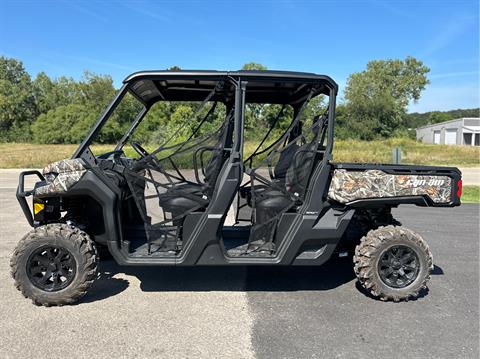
60	176
348	186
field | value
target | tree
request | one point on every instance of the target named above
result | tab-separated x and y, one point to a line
377	98
415	119
254	66
255	121
174	68
43	92
437	117
64	124
95	91
68	108
17	103
51	93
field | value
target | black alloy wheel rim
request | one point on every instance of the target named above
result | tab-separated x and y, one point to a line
51	268
398	266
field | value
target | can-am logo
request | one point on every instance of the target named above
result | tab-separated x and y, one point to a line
424	182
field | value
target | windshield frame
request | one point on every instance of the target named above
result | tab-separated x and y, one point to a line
104	118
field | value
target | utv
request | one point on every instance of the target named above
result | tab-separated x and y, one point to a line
199	199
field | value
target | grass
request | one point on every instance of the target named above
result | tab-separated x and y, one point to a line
471	194
23	155
413	152
26	155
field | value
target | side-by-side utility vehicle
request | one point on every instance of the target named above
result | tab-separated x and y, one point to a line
196	178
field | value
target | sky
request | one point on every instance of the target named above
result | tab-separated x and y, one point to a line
337	38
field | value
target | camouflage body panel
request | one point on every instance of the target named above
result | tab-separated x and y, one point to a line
60	176
68	165
348	186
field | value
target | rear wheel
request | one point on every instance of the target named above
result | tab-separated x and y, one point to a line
54	264
393	263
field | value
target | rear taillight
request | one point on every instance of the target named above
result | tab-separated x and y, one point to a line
459	189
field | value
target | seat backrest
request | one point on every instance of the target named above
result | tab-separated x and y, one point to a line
305	159
217	159
213	168
284	161
300	168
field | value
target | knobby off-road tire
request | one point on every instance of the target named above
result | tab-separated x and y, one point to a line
381	252
62	256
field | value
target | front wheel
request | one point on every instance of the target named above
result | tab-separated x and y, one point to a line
393	263
54	264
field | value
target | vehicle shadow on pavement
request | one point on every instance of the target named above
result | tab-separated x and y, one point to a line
221	278
106	285
437	270
332	274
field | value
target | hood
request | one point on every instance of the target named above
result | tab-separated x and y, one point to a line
68	165
60	176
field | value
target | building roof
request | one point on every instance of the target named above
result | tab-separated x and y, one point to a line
449	121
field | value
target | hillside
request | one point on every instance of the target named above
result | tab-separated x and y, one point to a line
415	119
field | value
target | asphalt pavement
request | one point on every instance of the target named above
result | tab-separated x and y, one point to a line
266	312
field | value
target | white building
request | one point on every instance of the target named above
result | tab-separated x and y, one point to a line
462	131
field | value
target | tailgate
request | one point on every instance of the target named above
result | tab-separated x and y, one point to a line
378	184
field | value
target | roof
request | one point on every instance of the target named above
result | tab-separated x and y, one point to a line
194	85
461	119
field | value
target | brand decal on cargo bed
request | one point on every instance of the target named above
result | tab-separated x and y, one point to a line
348	186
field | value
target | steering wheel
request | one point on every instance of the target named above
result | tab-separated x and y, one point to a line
139	149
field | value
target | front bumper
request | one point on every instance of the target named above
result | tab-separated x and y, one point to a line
22	194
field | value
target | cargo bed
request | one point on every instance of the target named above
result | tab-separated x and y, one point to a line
377	185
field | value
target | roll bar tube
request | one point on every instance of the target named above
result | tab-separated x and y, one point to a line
101	121
331	125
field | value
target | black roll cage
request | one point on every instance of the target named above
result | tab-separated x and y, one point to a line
325	86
